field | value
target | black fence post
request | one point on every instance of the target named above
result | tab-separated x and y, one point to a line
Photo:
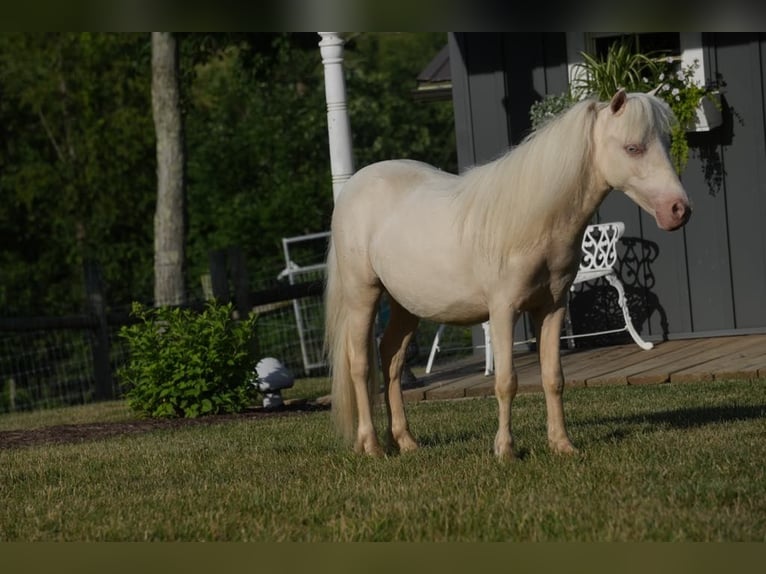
228	273
238	268
219	279
100	343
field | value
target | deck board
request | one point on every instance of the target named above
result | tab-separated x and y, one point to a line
661	362
678	361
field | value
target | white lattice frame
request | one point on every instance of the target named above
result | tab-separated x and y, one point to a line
599	250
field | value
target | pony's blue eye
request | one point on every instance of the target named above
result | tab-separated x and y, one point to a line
634	149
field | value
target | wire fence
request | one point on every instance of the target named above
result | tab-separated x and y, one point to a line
52	368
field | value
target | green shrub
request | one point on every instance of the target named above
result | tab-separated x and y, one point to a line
185	364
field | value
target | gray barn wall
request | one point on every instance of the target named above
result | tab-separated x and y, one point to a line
710	277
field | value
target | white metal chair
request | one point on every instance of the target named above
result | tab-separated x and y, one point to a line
599	256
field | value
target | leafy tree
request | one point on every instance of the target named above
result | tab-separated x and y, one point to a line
76	167
385	120
78	163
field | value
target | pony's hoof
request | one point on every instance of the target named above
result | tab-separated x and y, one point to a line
563	447
504	447
506	455
505	452
406	443
370	448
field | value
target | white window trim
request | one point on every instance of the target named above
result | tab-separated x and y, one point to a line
691	50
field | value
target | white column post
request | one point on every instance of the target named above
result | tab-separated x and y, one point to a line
338	125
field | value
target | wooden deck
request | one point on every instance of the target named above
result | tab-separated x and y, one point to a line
681	361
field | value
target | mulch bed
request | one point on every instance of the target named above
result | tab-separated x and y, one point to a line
64	434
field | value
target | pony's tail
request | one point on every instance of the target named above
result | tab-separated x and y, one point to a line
336	349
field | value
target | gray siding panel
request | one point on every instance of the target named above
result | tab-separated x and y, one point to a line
740	60
668	277
556	65
707	256
461	101
537	67
479	96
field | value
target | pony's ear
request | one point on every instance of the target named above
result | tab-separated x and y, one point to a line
653	91
617	105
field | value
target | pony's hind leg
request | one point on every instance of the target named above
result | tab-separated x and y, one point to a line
393	346
360	323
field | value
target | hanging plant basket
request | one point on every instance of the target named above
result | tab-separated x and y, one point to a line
708	114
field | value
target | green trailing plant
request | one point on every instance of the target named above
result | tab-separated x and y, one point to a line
679	89
186	364
548	108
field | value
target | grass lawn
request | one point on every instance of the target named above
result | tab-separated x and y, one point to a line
657	463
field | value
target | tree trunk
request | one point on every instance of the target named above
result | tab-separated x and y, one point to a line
169	217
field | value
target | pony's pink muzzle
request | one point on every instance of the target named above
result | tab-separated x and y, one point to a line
674	216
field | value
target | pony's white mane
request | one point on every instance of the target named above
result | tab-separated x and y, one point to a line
506	202
652	116
504	205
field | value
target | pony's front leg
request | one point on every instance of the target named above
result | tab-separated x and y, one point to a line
549	328
501	325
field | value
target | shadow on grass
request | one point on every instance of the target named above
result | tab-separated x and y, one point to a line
452	439
437	439
681	418
699	416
